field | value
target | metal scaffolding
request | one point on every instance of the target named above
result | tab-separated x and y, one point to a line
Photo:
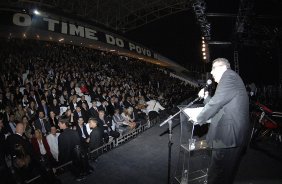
119	15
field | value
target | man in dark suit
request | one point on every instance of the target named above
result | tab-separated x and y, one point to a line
69	148
93	111
96	138
42	123
228	110
82	131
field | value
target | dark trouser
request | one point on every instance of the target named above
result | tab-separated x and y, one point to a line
224	165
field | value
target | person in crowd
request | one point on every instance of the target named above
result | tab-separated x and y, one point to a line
80	113
41	148
103	106
20	150
28	130
106	126
153	108
53	120
11	126
93	111
20	112
70	148
82	100
96	138
82	132
31	110
119	121
44	108
55	107
112	105
127	114
42	123
73	103
64	99
52	140
70	116
228	110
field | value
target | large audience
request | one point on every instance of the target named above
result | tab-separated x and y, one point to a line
46	87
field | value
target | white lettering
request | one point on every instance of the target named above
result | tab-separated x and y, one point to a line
51	23
131	46
64	28
119	42
149	53
138	49
76	30
90	33
110	39
20	19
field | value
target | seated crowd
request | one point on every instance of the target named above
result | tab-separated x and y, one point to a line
52	93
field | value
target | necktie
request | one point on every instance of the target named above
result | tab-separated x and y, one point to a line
43	126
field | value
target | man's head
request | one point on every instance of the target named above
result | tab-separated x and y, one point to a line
219	66
92	123
101	114
63	123
80	120
41	114
20	128
53	130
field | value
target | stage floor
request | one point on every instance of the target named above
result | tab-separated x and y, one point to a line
143	160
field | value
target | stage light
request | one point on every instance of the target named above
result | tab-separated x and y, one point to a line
203	41
203	38
203	49
203	45
37	36
204	57
24	35
36	12
204	53
50	38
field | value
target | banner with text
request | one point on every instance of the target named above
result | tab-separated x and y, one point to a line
70	28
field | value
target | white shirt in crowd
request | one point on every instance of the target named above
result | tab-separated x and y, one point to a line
88	129
41	147
53	144
154	105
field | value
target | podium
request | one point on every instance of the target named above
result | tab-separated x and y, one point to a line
194	154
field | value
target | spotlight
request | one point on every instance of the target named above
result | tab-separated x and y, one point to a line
203	49
204	57
204	53
36	12
203	45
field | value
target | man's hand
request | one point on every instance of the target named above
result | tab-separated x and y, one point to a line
203	93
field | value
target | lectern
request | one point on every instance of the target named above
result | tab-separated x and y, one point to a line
194	154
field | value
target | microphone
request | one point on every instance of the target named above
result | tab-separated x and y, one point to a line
209	82
206	86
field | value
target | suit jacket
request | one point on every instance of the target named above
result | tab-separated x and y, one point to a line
228	110
37	125
96	139
93	113
67	141
14	139
78	129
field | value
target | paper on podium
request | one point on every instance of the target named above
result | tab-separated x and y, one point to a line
193	113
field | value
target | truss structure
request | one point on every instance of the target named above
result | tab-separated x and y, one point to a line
119	15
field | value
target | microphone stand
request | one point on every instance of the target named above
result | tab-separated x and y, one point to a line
169	121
